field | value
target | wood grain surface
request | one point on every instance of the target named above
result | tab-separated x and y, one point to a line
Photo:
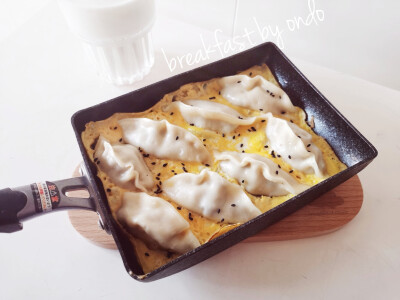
326	214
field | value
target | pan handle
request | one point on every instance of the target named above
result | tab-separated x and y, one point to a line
22	203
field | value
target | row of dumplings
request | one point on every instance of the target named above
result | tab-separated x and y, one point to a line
157	222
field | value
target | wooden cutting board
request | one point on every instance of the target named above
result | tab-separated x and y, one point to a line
326	214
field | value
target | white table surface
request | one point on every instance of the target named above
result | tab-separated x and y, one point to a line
45	79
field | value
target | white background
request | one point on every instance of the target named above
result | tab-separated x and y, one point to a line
351	57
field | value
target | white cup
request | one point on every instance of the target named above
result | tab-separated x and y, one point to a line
116	35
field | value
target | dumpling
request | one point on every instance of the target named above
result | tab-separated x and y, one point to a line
124	165
163	140
258	174
211	196
212	115
156	222
295	146
255	93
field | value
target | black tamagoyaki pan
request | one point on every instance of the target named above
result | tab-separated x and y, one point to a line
21	203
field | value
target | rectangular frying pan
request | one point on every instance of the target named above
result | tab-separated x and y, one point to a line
22	203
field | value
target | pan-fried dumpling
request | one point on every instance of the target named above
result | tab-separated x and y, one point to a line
255	93
163	140
124	165
211	196
258	174
295	146
156	222
212	115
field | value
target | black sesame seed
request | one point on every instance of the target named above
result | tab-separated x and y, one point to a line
164	165
298	177
291	121
261	109
219	93
239	81
108	190
291	171
280	97
252	128
239	117
146	155
191	124
241	145
211	98
95	159
251	73
268	91
299	137
273	153
169	254
222	220
140	149
290	157
283	112
308	145
120	140
153	163
239	134
173	171
266	146
98	162
278	155
204	145
204	140
146	254
179	208
157	178
233	205
159	174
223	135
276	172
182	164
248	130
219	210
262	121
177	138
160	182
184	169
171	113
243	181
207	165
234	137
115	128
190	217
242	151
279	166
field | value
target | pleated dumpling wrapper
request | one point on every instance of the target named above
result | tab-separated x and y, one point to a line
255	93
124	165
163	140
258	174
295	146
212	196
156	222
212	115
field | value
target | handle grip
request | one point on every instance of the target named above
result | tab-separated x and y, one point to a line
11	202
22	203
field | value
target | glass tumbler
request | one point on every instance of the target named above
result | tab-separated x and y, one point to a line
116	35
